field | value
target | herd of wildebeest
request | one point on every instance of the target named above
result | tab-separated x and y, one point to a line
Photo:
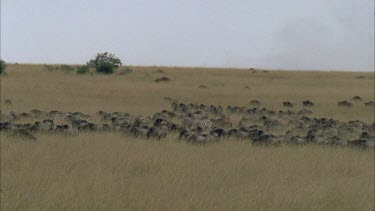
198	123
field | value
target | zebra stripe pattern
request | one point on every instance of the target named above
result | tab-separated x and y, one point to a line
134	119
85	117
205	123
61	116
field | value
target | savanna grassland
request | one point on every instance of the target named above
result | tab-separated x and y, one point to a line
108	171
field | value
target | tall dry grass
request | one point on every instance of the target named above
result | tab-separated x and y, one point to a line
113	172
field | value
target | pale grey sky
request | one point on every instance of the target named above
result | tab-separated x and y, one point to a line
289	34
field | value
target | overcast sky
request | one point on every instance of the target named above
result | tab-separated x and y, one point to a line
288	34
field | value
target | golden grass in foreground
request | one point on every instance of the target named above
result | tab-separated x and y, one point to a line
111	172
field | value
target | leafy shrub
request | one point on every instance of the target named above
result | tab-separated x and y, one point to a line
82	70
2	67
66	68
105	63
105	68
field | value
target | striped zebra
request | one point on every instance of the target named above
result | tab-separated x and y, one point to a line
61	116
86	117
135	120
204	123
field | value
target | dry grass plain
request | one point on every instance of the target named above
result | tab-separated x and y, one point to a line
113	172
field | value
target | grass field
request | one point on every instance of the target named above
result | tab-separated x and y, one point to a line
97	171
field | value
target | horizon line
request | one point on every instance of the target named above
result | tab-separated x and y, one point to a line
206	67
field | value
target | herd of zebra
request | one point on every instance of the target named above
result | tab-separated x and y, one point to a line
199	123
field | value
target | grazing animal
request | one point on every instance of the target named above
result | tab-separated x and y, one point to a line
157	132
362	143
287	104
205	123
46	126
6	126
255	103
222	122
87	127
218	133
168	99
65	129
202	87
345	104
38	113
8	102
81	116
162	79
357	98
307	103
305	112
135	120
235	109
297	140
61	116
370	103
24	115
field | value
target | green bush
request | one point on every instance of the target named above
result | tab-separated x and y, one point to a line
2	67
105	63
105	68
82	70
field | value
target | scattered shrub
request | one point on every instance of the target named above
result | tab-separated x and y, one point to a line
49	67
66	68
82	70
2	67
63	67
105	63
105	68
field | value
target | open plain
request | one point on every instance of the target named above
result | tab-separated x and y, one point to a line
247	165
